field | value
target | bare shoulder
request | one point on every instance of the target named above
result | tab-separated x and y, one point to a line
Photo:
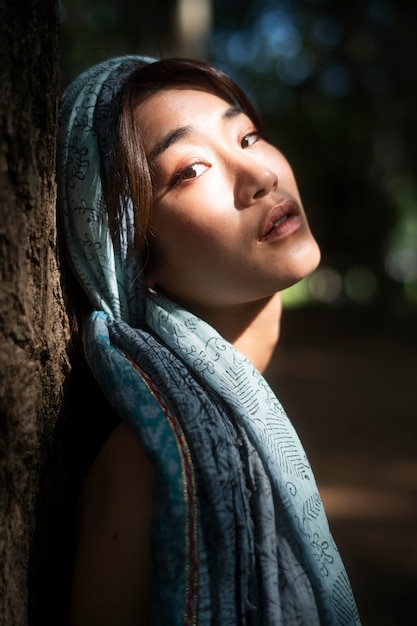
111	581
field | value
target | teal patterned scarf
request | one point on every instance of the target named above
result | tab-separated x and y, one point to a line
239	534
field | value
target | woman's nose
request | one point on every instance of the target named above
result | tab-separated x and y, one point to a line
253	182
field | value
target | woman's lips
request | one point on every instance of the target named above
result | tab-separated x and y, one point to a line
282	221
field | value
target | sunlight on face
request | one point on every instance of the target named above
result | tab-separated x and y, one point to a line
228	225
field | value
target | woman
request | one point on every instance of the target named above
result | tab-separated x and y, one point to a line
182	225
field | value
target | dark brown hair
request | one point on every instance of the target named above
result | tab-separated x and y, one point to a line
131	178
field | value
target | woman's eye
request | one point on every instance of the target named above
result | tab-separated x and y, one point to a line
249	139
191	171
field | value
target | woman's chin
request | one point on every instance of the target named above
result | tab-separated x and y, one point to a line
305	262
316	258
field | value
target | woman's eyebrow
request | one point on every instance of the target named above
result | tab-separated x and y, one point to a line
232	111
183	131
168	140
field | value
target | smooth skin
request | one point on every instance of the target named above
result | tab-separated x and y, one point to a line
217	183
111	578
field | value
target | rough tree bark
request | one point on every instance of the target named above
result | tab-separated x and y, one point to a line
33	326
37	492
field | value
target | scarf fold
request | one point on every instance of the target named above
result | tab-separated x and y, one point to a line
109	271
239	534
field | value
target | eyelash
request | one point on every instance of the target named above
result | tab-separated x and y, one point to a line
179	177
255	134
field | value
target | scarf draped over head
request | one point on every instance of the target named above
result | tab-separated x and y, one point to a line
239	533
109	271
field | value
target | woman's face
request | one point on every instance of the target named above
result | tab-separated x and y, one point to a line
228	226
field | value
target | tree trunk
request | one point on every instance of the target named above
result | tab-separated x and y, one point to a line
33	323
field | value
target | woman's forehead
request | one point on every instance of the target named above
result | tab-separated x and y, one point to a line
166	106
172	114
174	97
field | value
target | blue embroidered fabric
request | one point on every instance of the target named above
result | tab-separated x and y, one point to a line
239	534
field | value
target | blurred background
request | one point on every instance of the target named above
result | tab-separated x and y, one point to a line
336	84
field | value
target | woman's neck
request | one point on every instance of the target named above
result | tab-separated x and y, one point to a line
253	329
